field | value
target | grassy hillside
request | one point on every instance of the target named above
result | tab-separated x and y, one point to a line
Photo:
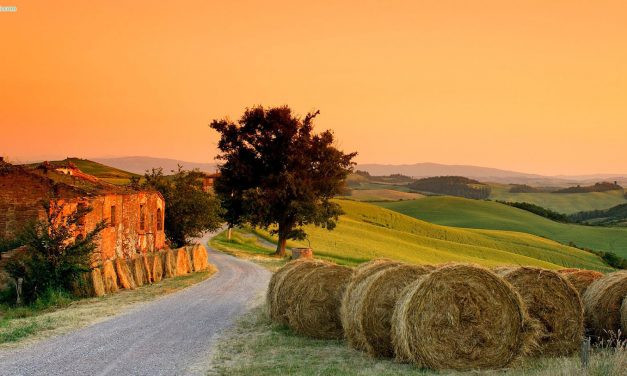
460	212
106	173
381	195
367	231
566	203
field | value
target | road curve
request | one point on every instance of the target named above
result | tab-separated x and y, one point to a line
172	335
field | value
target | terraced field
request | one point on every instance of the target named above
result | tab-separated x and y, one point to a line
367	231
476	214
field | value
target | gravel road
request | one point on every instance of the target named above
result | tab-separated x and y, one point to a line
172	335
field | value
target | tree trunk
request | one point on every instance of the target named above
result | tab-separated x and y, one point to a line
280	246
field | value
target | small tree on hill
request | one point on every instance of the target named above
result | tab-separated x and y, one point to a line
189	210
277	172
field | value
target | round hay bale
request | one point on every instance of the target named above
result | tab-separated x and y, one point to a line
136	265
284	289
581	279
461	317
156	266
315	309
278	275
125	278
97	285
378	297
109	278
199	257
555	303
147	268
602	301
181	262
351	298
623	316
169	263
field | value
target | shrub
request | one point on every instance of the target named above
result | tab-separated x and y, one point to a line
56	253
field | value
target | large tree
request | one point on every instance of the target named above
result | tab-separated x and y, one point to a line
277	173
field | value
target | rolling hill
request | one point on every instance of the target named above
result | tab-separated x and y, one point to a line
367	231
566	203
461	212
99	170
139	165
370	195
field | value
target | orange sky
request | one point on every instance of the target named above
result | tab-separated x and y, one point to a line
534	86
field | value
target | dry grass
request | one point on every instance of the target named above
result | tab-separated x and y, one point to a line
38	325
257	346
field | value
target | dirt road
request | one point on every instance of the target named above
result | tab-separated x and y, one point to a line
172	335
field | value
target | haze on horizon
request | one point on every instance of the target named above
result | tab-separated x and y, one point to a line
537	87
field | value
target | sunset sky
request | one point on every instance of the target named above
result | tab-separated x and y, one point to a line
533	86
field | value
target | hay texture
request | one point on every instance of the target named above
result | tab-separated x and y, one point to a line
555	303
89	284
109	278
352	298
156	266
623	316
283	293
169	263
602	301
199	257
125	278
182	264
315	309
97	285
377	300
136	265
461	317
581	279
277	276
147	268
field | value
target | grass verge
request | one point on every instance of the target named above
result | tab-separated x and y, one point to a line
257	346
23	325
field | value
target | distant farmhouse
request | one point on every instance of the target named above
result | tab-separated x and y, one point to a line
135	218
208	181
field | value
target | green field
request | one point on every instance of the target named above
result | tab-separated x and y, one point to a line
367	231
461	212
109	174
566	203
369	195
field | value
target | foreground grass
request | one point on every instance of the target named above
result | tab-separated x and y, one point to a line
257	346
22	325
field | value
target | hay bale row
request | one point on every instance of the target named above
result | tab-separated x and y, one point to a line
142	269
454	317
553	301
602	301
623	316
581	278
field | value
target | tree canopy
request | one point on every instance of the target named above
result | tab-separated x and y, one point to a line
189	210
277	172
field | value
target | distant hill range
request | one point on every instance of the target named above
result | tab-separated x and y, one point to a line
485	174
139	165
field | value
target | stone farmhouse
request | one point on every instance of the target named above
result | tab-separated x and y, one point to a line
135	218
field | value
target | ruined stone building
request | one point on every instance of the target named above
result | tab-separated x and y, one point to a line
135	218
